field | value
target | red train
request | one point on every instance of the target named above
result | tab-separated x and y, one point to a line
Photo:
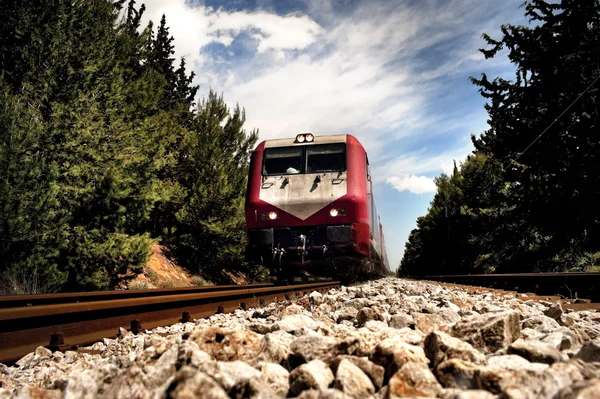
310	206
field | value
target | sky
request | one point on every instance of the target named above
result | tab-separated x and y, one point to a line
394	74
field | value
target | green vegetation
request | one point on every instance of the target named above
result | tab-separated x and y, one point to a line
515	208
104	152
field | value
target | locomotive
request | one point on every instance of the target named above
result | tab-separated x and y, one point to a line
310	209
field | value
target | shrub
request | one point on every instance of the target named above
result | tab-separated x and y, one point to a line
199	281
138	286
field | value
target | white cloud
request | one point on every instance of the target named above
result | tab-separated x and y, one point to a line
421	163
412	183
361	73
195	27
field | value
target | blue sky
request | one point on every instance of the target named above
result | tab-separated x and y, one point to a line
394	74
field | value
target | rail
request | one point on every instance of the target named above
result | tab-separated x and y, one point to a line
566	285
67	321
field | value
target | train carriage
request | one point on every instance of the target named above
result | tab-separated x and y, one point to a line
310	207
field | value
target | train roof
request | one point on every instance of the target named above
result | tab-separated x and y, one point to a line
288	142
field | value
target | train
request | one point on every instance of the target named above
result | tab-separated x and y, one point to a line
310	209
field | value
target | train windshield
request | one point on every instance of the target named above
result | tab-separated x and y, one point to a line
282	161
318	158
326	158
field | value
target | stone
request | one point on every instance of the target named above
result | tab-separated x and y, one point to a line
234	377
449	315
589	352
228	345
567	320
330	393
292	309
313	347
414	379
260	327
457	373
401	320
470	394
292	323
509	362
408	335
536	351
540	323
440	347
589	389
276	377
312	375
128	384
190	383
158	372
275	348
351	380
539	384
367	314
428	322
31	392
346	313
554	311
316	298
81	385
189	353
489	332
40	351
374	371
560	340
393	354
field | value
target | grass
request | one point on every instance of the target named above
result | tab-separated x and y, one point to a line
151	274
138	286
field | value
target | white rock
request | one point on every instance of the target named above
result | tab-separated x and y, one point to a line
314	374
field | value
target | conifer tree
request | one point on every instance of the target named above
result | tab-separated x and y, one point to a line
211	229
529	194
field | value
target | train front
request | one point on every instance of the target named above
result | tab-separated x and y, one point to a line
306	205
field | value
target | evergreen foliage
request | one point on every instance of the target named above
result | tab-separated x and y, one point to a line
99	132
514	207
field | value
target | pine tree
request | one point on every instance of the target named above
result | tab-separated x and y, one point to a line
556	179
211	228
528	201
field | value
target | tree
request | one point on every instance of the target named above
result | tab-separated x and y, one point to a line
528	195
557	179
211	230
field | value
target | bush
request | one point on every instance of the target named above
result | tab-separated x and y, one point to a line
138	286
199	281
15	281
151	274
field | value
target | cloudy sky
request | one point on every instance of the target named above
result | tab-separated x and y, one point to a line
392	73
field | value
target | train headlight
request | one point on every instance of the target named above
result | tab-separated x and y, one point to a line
305	137
337	212
271	215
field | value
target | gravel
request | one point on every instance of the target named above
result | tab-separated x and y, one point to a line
383	339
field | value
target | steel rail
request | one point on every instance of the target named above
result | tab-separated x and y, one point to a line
62	326
13	301
571	285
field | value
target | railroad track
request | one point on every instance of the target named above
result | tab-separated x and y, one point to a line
67	321
563	285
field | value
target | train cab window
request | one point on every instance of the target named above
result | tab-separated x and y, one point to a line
282	161
326	158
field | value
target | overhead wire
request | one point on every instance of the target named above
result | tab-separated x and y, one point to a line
492	180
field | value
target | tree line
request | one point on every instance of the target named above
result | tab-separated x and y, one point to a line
528	198
104	150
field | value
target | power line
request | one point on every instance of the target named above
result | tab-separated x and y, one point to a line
540	135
